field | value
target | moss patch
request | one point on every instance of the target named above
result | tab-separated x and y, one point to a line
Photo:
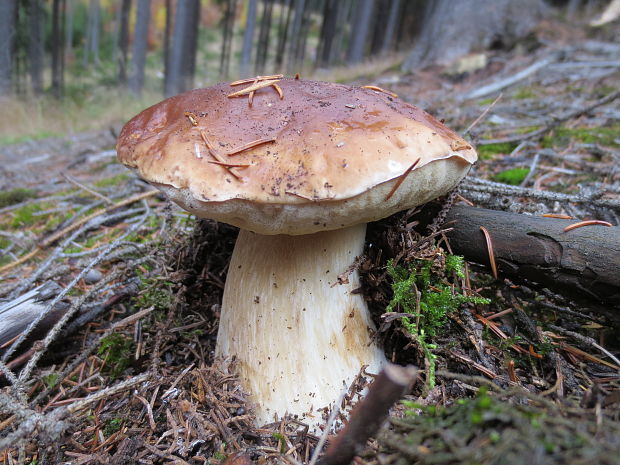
563	136
112	181
116	350
524	93
486	152
429	296
13	196
514	176
487	430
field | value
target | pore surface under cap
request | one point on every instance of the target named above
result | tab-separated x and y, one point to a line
336	154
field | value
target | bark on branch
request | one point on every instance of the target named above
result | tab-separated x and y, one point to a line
583	262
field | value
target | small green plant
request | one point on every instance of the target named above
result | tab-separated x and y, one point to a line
112	425
50	380
281	441
430	306
455	264
514	176
116	351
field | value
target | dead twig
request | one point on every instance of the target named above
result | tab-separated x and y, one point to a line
54	237
72	180
513	79
401	178
552	123
489	242
581	224
368	415
483	114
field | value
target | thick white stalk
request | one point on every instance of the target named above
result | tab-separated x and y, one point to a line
297	334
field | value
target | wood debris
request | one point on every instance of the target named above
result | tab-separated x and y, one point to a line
587	223
257	83
489	242
379	89
401	178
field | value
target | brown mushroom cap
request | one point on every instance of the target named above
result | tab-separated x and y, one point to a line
338	152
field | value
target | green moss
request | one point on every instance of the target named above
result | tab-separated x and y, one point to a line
514	176
437	299
112	425
11	140
24	216
486	152
499	429
524	93
112	181
455	264
13	196
116	351
50	380
609	136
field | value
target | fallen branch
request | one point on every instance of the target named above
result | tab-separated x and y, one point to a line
552	123
513	79
54	237
495	190
583	261
369	414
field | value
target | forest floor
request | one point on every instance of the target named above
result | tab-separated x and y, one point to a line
120	369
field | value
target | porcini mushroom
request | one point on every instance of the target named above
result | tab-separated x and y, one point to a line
300	172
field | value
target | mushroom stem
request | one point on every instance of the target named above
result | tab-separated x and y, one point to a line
298	336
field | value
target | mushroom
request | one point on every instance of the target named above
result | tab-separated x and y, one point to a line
300	170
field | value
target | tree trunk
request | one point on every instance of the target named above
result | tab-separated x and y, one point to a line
63	21
56	41
473	25
190	46
343	13
303	35
328	32
295	35
69	29
583	262
91	44
173	83
7	36
285	20
35	46
248	39
123	41
167	40
382	10
140	44
229	24
263	36
390	27
361	28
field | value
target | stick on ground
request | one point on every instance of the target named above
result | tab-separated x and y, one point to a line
369	414
583	261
